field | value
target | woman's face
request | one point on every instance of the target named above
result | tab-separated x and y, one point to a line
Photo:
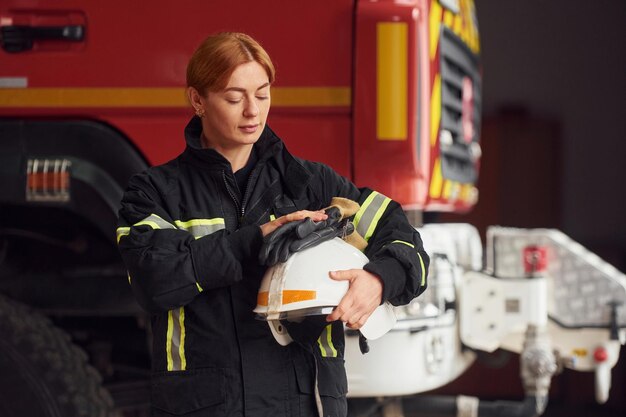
236	116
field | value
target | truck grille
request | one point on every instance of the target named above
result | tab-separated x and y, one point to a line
458	154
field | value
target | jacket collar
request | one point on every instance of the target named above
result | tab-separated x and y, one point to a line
269	147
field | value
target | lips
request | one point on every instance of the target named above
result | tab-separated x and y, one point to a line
249	128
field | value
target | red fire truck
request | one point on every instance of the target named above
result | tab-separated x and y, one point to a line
387	92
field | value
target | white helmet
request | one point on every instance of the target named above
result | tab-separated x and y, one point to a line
301	287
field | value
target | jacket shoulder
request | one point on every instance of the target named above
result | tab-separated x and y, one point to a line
327	183
317	170
160	177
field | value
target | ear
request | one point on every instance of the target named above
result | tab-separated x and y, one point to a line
195	99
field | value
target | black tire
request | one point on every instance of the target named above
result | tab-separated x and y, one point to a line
42	374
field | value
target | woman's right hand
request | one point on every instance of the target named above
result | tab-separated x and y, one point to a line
316	216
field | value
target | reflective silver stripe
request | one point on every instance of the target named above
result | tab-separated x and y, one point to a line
197	227
325	342
318	398
175	345
201	227
152	220
155	222
366	219
121	232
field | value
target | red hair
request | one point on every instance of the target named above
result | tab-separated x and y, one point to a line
216	58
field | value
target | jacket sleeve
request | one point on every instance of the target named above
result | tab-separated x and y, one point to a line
167	266
395	248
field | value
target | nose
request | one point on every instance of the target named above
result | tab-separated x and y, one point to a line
251	109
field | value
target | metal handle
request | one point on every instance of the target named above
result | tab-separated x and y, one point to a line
21	38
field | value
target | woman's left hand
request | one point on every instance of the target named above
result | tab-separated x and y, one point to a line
271	226
363	296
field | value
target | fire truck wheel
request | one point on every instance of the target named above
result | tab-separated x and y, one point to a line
41	372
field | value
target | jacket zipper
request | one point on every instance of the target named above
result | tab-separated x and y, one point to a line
240	208
248	190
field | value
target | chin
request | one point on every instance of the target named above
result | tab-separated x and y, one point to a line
251	139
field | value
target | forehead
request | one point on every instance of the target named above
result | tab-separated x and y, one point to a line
248	75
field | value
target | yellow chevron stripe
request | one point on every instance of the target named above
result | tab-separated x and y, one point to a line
448	18
435	110
447	188
458	22
434	23
436	180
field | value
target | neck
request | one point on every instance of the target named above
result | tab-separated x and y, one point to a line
238	158
237	155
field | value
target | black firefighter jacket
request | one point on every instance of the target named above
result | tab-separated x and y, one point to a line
190	241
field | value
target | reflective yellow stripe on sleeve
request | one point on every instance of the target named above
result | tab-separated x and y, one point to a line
175	343
201	227
121	232
419	256
197	227
155	222
366	219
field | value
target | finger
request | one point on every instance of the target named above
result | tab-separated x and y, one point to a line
318	216
353	322
345	275
302	214
306	227
334	214
357	324
354	326
341	312
313	239
280	232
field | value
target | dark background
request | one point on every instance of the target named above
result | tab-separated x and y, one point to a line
554	154
555	78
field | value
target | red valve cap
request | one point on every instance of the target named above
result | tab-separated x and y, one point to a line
600	354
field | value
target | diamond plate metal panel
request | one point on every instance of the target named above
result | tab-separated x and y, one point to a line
582	285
